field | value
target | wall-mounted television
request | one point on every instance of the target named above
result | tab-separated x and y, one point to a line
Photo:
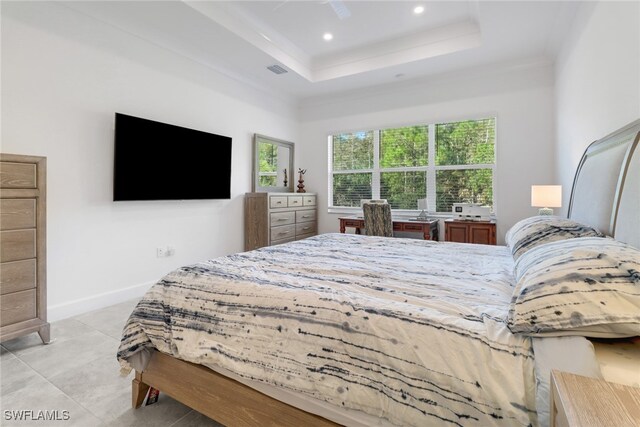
159	161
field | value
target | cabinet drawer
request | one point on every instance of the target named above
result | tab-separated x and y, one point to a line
304	236
17	245
282	218
17	276
306	216
17	213
18	175
279	242
308	200
305	228
17	307
295	201
278	202
283	232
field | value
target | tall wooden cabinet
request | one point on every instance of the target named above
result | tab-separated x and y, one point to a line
23	289
482	232
273	218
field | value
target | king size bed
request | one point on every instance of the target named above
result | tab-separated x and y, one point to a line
358	330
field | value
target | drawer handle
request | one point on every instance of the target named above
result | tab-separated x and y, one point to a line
283	232
279	203
306	228
281	219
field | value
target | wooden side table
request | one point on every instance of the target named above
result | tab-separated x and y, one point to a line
590	402
461	231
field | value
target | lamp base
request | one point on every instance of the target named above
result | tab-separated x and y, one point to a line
545	211
423	216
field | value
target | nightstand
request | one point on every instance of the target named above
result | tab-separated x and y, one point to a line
462	231
582	401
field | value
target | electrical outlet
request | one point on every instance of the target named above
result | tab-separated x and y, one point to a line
161	252
170	250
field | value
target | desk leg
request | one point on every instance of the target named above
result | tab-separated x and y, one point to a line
342	227
358	230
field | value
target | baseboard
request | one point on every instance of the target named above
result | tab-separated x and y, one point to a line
95	302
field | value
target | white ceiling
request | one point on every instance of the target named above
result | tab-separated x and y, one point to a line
380	42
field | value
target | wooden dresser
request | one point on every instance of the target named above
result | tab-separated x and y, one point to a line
482	232
23	290
273	218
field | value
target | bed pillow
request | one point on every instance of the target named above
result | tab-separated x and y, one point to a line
585	286
537	230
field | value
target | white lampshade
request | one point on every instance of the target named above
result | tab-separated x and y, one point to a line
546	196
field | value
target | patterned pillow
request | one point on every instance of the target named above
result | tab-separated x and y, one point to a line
585	286
534	231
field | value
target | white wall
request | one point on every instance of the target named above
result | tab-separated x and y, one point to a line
63	77
519	95
597	80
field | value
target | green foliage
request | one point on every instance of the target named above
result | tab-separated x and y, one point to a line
349	188
268	180
268	157
404	147
470	142
463	186
353	151
403	189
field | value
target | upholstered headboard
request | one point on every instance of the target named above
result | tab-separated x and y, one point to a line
606	187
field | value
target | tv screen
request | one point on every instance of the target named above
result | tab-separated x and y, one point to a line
158	161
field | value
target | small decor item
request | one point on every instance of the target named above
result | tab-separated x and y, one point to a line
301	180
285	177
423	206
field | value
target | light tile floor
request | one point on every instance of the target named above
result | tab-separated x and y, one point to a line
78	372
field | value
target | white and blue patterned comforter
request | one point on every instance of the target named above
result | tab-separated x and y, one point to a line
407	330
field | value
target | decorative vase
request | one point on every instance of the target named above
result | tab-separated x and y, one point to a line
301	173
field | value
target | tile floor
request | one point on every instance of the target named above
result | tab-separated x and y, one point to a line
78	372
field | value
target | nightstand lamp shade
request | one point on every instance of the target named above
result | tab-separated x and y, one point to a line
546	197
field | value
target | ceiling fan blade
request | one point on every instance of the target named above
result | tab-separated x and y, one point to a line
340	9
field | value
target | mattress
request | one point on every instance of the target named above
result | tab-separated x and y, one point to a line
402	331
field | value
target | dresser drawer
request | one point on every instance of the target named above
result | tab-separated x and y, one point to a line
304	236
282	218
18	175
18	307
278	202
17	276
308	200
306	216
305	228
283	232
17	213
279	242
295	201
17	245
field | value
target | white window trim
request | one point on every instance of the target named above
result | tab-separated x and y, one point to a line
430	169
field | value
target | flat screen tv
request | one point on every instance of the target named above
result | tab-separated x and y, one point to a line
158	161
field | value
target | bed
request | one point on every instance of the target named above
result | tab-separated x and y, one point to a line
359	330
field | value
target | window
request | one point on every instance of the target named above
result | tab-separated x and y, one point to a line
444	162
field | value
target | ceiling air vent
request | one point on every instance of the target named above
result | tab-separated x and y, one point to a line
276	69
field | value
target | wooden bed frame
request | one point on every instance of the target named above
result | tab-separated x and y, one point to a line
234	404
220	398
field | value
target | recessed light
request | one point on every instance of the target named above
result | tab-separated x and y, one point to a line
418	10
327	36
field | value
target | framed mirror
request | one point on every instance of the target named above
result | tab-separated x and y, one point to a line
272	164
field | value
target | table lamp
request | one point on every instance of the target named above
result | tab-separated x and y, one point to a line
546	197
423	205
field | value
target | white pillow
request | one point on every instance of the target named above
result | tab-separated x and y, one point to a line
537	230
584	286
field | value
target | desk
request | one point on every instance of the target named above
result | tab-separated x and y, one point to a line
429	228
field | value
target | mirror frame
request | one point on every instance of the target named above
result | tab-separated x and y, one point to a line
255	187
